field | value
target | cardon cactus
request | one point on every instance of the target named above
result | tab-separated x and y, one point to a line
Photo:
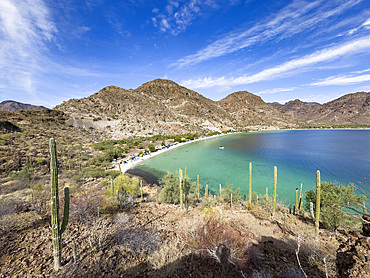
57	229
250	186
181	188
318	196
274	191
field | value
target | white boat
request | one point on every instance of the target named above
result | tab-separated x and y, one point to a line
221	147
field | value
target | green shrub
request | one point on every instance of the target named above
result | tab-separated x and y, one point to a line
25	174
170	192
94	172
334	201
227	191
151	148
126	184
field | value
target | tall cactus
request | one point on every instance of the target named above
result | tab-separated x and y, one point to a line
274	191
57	230
181	188
250	186
296	201
318	196
198	189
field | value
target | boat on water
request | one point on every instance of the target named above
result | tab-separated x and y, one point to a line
221	147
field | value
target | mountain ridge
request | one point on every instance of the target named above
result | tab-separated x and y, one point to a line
11	105
165	107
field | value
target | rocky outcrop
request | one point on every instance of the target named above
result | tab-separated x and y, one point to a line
353	257
250	110
8	127
350	109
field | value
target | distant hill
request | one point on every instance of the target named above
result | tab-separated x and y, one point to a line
10	105
156	107
164	107
250	110
350	109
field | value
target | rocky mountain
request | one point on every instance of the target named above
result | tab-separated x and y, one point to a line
250	111
10	105
164	107
350	109
156	107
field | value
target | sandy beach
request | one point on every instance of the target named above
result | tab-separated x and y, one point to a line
123	167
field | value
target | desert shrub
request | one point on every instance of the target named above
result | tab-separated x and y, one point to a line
94	172
226	194
125	184
114	153
151	148
168	257
84	207
25	174
218	240
40	195
13	186
334	201
139	240
100	160
170	192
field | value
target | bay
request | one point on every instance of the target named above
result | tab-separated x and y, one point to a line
342	156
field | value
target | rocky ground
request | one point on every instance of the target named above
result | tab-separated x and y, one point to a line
148	239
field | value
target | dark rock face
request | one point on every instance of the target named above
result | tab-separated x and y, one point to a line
8	127
353	257
366	225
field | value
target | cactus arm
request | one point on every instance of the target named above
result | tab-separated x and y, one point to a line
250	186
66	210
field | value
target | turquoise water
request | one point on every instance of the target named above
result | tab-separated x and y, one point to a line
341	155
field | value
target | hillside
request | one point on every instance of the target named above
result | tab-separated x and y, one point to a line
164	107
250	110
156	107
350	109
10	105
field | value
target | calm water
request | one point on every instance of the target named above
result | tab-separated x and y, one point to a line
341	156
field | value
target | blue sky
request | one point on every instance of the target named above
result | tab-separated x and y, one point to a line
51	51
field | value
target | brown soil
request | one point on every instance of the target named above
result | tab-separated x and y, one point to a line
149	240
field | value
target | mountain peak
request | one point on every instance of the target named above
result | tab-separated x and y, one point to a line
11	105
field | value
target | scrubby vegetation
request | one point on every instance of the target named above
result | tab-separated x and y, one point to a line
116	228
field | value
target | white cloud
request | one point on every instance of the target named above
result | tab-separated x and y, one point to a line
178	17
343	80
366	23
275	90
295	18
26	29
331	53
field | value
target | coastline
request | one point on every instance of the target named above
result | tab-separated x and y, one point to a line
124	167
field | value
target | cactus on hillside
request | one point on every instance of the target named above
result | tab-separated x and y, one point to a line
274	191
181	188
250	186
318	196
57	229
296	201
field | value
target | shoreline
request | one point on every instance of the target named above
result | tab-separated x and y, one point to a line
124	167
